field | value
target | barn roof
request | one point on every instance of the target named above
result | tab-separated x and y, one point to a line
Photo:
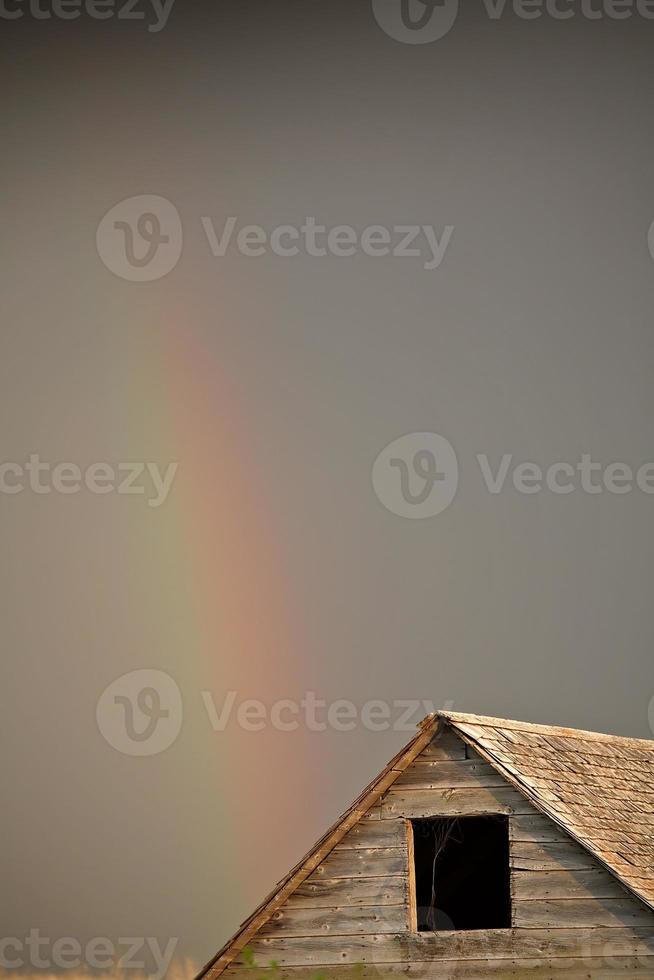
598	788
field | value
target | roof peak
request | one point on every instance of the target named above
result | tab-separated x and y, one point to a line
486	721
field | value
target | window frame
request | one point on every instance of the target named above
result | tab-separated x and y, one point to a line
412	912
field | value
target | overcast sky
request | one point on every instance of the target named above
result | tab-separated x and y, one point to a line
369	274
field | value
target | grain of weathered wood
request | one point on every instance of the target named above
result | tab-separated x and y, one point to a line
533	827
374	833
560	856
598	883
464	773
445	746
585	914
539	969
290	923
412	899
452	802
332	892
457	946
538	730
378	862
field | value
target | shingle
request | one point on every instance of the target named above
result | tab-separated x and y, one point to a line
600	788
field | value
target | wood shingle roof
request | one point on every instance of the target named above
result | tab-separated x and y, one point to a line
599	788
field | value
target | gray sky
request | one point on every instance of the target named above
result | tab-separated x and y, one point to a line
273	564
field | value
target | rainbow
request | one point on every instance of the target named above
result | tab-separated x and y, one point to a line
227	626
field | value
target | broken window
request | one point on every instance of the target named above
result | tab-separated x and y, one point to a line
461	873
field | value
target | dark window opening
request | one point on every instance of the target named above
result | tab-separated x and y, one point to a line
462	876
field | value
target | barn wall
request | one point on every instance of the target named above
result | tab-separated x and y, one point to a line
571	918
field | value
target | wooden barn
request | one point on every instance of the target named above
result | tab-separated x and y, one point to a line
486	849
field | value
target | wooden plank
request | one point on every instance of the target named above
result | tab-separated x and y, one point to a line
586	914
424	774
445	746
377	862
565	856
411	881
538	969
289	923
501	944
532	885
465	721
349	891
416	803
375	833
534	827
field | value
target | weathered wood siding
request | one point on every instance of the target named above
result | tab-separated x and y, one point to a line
571	918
